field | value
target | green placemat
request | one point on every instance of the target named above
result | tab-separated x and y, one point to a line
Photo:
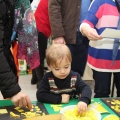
52	111
105	106
6	103
74	102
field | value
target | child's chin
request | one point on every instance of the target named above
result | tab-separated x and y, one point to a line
62	77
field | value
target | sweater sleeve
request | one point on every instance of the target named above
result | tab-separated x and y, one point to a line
94	13
84	90
43	93
54	8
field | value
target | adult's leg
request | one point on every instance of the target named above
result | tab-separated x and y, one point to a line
116	78
79	54
102	84
42	45
34	79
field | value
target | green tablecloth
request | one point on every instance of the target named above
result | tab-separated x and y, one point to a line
74	102
51	110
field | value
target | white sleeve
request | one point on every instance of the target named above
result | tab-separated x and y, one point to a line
34	5
83	24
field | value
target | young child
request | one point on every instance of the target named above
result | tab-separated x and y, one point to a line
59	85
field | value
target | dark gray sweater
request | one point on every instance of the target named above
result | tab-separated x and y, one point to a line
51	88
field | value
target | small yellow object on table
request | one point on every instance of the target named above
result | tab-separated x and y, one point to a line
111	117
12	114
3	111
71	113
57	107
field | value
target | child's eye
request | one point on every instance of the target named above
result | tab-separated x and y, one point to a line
66	67
56	69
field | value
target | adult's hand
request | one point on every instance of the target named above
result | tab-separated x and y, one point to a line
90	32
59	40
21	100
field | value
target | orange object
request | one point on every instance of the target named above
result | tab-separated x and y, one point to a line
14	52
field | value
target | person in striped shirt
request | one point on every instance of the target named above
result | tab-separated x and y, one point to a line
102	14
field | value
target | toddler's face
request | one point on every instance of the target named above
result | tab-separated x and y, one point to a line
63	70
30	17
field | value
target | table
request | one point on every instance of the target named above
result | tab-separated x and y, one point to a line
74	102
51	110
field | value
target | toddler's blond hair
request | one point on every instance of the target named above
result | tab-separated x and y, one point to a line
55	54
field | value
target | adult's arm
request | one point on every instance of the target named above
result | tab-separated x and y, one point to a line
54	8
9	85
89	32
8	81
89	24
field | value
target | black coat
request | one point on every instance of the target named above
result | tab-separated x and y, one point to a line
8	72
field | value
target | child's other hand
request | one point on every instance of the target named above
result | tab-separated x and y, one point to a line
82	108
65	98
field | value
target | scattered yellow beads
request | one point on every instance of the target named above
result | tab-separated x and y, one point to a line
98	106
115	104
57	107
111	117
73	115
14	115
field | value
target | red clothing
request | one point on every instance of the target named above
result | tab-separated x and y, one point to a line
42	18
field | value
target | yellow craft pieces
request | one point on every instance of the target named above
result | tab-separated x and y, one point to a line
43	113
57	107
108	101
115	104
36	107
26	113
76	112
3	111
20	110
31	110
98	106
14	115
17	108
111	117
30	114
71	115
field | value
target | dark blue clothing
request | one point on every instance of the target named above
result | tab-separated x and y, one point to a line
79	53
79	50
51	88
103	83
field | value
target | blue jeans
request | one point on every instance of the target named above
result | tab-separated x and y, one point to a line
79	53
103	83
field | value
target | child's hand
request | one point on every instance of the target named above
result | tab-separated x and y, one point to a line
82	108
65	98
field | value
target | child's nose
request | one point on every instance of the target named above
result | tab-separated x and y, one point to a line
62	71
